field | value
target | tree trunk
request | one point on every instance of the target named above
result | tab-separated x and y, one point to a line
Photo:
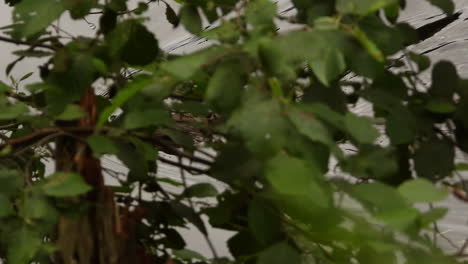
91	238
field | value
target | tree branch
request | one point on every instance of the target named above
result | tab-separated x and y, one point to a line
192	170
169	149
20	42
155	139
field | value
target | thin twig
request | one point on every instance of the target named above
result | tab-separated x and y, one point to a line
69	131
38	143
206	153
439	233
27	172
462	181
184	182
9	126
20	42
168	148
191	204
38	135
70	35
190	169
183	98
463	248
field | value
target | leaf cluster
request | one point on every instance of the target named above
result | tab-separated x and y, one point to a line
305	179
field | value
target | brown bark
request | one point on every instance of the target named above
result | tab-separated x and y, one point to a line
90	239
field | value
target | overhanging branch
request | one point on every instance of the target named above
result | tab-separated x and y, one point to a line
156	140
20	42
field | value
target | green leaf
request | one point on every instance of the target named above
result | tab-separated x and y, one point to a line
295	177
32	53
169	181
228	31
25	76
360	128
242	162
62	184
404	219
186	66
461	166
379	196
264	222
190	18
146	118
122	189
79	8
329	66
100	66
422	191
392	12
102	145
275	87
172	239
134	159
187	254
433	216
422	61
71	112
384	38
323	50
224	88
35	16
140	83
108	21
280	253
24	246
10	181
73	74
178	137
147	150
261	124
13	111
171	16
201	190
309	126
37	207
368	44
387	205
421	256
12	2
400	128
323	23
4	87
369	255
325	113
445	81
133	43
372	162
362	7
260	14
6	207
434	159
190	215
118	5
440	107
243	244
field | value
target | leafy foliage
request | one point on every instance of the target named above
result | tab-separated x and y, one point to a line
276	109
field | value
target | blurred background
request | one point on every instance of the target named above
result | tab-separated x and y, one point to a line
450	43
